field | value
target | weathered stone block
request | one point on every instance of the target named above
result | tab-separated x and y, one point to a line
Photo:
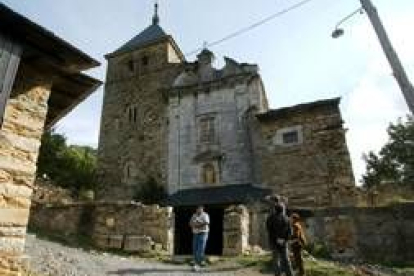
101	241
115	241
142	244
13	217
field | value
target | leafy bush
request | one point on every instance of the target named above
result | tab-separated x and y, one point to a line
71	167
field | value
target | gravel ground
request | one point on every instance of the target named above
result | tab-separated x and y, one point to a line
54	259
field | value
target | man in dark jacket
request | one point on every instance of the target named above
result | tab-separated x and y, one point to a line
279	231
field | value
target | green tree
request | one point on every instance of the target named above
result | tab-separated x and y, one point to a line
71	167
395	161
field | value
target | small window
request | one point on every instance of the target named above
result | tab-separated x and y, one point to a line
130	172
132	114
288	136
291	137
129	115
145	60
131	66
135	114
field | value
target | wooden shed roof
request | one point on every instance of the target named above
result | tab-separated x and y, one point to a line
42	47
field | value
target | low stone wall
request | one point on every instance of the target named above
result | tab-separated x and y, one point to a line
131	227
382	234
378	234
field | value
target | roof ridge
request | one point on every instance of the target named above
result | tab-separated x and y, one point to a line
150	34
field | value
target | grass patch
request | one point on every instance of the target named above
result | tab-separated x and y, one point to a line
314	267
326	268
263	262
404	271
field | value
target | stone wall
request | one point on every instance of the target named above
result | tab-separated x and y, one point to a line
132	141
317	170
61	220
382	234
139	227
386	194
19	144
131	227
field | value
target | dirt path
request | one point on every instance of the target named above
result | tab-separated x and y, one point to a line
49	258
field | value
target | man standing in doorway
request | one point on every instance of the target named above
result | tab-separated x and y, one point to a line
199	224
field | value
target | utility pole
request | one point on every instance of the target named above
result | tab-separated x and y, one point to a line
395	63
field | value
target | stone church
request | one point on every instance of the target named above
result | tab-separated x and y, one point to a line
208	136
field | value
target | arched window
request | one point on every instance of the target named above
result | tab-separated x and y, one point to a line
209	174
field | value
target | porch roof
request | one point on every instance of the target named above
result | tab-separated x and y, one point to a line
226	194
54	56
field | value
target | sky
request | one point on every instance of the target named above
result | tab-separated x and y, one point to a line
298	59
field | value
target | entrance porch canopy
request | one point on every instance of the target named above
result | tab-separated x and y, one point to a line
218	195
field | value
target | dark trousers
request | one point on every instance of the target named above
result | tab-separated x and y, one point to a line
297	256
281	261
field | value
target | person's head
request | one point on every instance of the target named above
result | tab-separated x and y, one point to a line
295	217
278	208
200	209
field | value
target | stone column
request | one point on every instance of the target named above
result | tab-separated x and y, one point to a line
235	231
19	146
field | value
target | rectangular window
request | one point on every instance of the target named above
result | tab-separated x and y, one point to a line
291	137
207	130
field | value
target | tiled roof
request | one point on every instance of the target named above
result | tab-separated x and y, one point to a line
304	107
147	36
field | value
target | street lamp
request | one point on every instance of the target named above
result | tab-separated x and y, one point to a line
398	70
338	31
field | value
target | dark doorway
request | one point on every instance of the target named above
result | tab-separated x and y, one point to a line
183	235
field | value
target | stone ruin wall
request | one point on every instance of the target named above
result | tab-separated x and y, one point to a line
346	233
375	234
20	136
381	234
131	227
318	171
386	194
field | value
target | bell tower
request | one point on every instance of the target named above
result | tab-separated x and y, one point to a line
133	135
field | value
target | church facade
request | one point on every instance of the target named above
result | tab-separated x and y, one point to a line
207	136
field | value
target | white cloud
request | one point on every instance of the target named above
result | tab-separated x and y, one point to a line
368	110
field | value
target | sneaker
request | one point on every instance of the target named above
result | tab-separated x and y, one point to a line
196	268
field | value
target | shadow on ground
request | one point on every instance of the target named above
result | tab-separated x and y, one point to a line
159	271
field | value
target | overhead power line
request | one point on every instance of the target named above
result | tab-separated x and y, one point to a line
253	26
